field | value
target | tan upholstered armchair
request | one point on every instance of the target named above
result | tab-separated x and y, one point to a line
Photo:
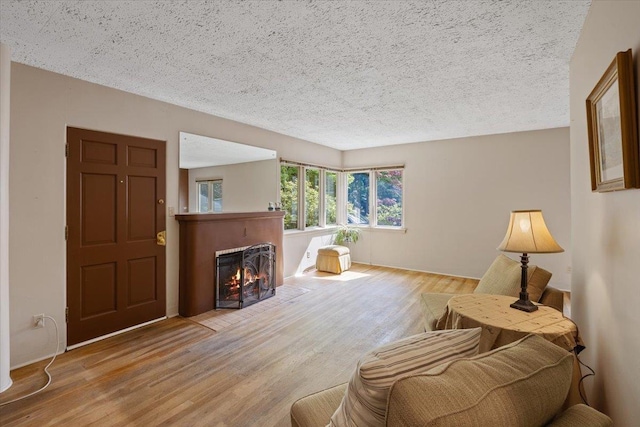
502	278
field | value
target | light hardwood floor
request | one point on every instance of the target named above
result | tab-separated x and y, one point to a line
179	372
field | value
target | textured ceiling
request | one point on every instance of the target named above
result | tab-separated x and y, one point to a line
348	74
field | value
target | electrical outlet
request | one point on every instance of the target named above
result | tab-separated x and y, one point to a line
172	211
308	254
38	320
568	269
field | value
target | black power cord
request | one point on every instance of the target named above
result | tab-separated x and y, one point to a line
591	373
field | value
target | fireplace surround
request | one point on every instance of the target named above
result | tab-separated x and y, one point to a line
202	235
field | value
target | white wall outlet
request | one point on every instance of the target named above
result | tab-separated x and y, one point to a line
172	211
568	269
38	320
308	254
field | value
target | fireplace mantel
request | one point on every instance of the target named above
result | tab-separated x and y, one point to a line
201	235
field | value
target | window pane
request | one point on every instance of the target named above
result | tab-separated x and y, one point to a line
289	195
358	198
203	197
389	200
330	188
312	197
217	196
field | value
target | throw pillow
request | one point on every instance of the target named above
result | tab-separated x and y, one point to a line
503	278
365	401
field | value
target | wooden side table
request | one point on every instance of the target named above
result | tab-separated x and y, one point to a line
502	325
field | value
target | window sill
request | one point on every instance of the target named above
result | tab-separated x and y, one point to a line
312	231
401	230
333	228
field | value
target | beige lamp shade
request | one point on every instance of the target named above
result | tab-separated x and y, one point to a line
527	233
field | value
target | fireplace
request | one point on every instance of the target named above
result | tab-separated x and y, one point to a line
245	276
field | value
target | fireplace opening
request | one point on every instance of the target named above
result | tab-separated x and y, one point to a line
245	276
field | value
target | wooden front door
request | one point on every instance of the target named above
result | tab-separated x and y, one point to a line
115	208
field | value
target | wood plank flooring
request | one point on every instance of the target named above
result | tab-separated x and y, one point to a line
179	372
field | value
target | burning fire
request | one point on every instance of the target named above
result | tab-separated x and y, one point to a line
249	278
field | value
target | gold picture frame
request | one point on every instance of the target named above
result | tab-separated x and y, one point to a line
613	132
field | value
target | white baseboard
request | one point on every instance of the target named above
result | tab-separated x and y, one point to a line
71	347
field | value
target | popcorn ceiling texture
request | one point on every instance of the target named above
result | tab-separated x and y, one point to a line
348	75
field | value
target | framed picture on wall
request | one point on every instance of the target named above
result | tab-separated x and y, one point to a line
613	132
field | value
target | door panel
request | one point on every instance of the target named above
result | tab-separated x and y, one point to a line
99	152
99	212
141	204
98	289
142	157
141	282
115	206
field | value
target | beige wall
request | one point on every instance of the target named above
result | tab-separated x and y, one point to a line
246	187
301	249
5	89
606	228
42	105
458	196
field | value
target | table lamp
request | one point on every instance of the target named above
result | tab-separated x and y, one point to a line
527	234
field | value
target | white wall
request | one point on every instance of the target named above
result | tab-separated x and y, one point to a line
42	105
5	89
246	187
458	196
606	228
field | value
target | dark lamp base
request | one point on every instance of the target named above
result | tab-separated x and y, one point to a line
524	305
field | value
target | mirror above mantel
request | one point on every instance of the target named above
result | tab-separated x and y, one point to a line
247	175
197	151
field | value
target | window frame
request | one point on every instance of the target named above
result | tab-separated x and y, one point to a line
300	189
210	199
323	221
374	198
321	211
341	196
346	193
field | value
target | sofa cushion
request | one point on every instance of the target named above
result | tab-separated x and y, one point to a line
314	410
581	415
503	278
333	250
434	306
538	280
524	383
365	401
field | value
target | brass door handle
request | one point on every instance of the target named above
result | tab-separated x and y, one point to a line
161	238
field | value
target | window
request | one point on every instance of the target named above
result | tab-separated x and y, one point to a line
323	197
389	197
319	204
210	196
330	197
289	195
358	197
387	193
312	197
